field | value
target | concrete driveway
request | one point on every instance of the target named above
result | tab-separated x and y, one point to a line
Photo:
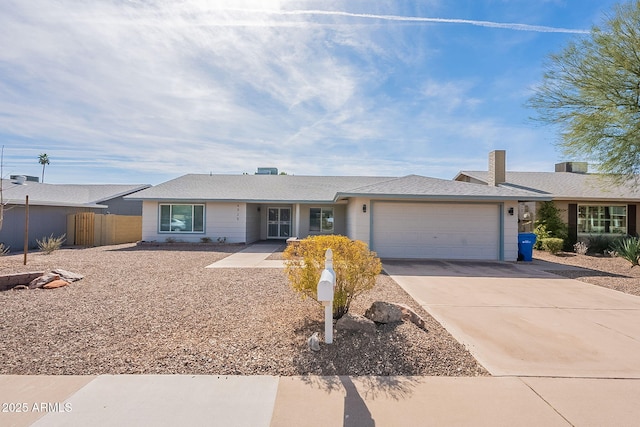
519	320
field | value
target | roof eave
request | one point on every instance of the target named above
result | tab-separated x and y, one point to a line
447	197
55	204
124	193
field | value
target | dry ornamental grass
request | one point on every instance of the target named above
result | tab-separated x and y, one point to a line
157	310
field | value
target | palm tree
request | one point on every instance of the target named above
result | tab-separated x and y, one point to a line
43	159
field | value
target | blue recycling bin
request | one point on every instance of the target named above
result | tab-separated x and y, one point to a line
525	246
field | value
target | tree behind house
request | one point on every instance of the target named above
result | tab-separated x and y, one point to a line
591	92
549	224
43	159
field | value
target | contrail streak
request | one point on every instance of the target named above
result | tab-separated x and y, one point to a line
417	19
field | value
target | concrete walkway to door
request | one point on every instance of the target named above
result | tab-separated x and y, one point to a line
519	320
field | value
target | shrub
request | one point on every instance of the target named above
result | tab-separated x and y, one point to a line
541	234
581	248
205	240
356	268
629	249
599	244
549	216
50	244
552	244
4	249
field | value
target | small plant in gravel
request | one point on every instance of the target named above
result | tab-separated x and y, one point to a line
581	248
629	249
50	244
205	240
553	245
356	268
4	249
170	240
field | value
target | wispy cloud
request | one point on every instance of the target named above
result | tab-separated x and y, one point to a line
171	87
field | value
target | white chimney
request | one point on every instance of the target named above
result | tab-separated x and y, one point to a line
21	179
497	167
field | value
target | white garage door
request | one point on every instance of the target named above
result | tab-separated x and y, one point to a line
429	230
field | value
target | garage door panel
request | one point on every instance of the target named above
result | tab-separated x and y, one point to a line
427	230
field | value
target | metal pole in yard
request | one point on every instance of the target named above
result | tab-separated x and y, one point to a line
26	229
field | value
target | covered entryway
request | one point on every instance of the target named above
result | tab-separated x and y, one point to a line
436	230
279	223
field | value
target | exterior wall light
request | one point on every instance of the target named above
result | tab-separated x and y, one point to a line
510	211
364	208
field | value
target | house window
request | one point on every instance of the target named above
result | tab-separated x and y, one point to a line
182	218
321	220
602	219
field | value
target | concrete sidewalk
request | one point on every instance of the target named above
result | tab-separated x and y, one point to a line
169	400
254	256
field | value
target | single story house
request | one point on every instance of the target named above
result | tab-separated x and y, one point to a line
398	217
51	204
590	204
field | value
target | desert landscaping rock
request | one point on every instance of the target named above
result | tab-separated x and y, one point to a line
43	280
158	310
387	312
383	312
59	283
69	276
355	322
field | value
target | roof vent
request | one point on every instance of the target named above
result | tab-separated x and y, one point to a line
28	178
19	179
267	171
574	167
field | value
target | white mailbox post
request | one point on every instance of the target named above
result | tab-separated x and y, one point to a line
325	295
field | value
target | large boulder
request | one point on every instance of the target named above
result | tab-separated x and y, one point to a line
388	312
384	312
354	322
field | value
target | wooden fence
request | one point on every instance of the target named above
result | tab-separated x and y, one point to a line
90	229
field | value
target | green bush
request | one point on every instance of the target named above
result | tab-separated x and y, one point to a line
50	244
355	266
552	244
541	233
599	244
629	249
549	216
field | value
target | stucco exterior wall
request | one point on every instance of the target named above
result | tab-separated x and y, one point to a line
121	206
222	221
358	226
510	230
43	221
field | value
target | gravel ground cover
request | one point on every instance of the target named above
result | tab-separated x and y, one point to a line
157	310
614	273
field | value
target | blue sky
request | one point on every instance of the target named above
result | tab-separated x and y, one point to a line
144	91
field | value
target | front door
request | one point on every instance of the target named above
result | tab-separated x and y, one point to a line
279	223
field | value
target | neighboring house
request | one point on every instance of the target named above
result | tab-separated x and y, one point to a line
406	217
590	204
51	204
